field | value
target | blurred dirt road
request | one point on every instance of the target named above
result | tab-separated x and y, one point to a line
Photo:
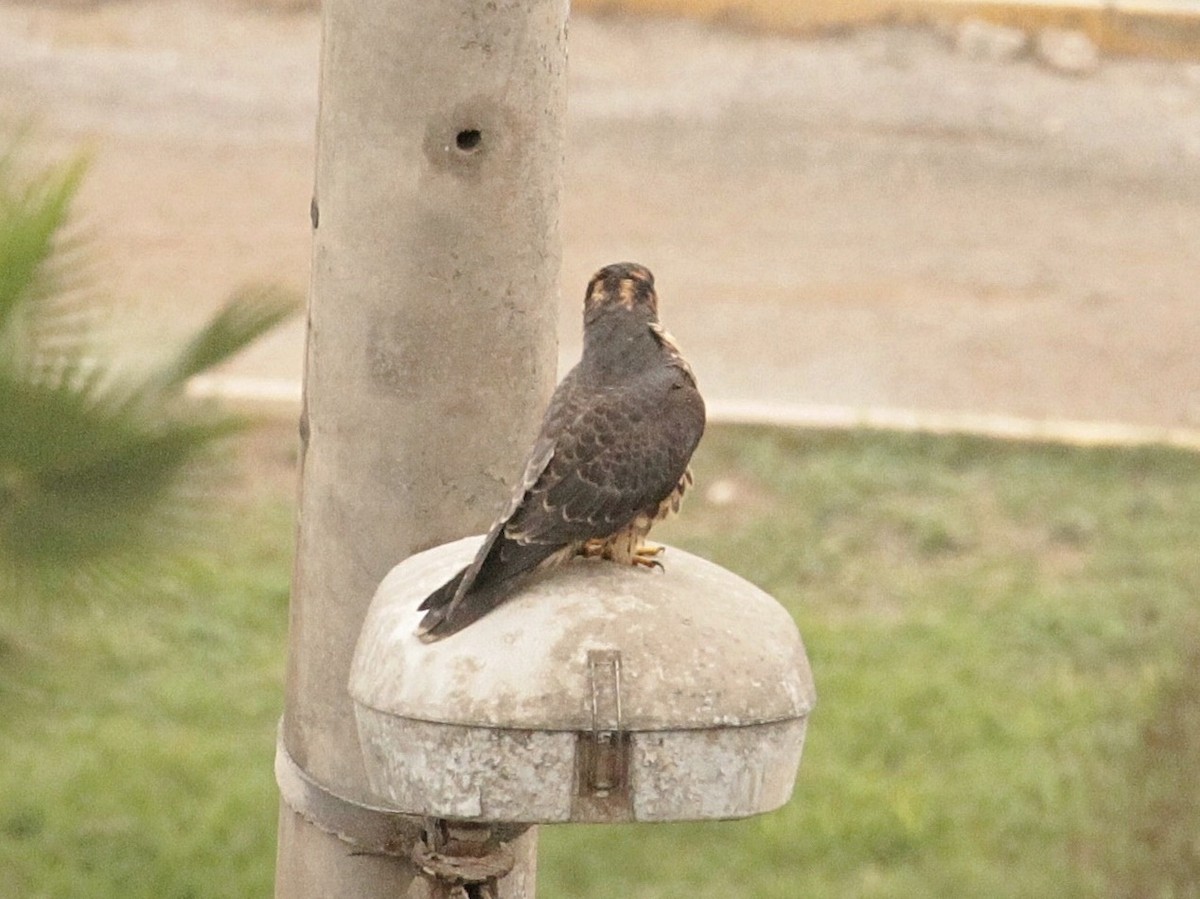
870	220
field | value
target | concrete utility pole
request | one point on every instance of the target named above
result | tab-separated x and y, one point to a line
431	353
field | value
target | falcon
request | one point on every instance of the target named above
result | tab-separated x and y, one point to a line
610	461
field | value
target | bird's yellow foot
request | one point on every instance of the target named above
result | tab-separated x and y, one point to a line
647	555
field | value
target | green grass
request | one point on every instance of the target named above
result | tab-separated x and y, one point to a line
1003	638
136	739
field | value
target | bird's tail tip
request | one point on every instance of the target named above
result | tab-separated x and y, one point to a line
439	607
438	624
426	630
444	620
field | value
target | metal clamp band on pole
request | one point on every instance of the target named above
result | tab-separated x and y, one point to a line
370	828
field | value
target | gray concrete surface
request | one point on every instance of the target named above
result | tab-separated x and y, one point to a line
871	220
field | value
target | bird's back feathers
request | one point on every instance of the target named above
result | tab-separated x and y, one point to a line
615	444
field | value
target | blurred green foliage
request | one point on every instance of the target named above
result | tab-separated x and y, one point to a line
101	468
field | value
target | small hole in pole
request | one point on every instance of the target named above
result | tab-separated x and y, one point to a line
468	140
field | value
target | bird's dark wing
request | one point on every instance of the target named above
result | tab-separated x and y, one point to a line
621	457
499	558
603	458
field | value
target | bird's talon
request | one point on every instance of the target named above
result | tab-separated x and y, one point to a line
647	555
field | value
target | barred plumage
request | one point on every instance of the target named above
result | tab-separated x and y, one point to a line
610	461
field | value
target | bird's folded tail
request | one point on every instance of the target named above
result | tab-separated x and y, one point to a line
451	617
446	615
493	581
437	608
441	597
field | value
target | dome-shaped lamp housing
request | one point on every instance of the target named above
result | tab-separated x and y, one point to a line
599	692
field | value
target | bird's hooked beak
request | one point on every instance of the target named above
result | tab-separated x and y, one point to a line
625	285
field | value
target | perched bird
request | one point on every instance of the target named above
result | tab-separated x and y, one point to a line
610	461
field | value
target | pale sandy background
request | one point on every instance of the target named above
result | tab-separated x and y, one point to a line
867	219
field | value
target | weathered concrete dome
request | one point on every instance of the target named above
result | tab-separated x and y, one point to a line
600	692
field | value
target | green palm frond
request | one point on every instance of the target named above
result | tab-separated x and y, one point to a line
81	475
103	474
248	315
37	258
33	211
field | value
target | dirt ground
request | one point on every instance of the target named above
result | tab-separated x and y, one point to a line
868	220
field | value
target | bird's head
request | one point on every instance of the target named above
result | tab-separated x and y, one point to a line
624	285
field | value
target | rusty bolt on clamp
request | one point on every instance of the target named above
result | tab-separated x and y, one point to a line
462	859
